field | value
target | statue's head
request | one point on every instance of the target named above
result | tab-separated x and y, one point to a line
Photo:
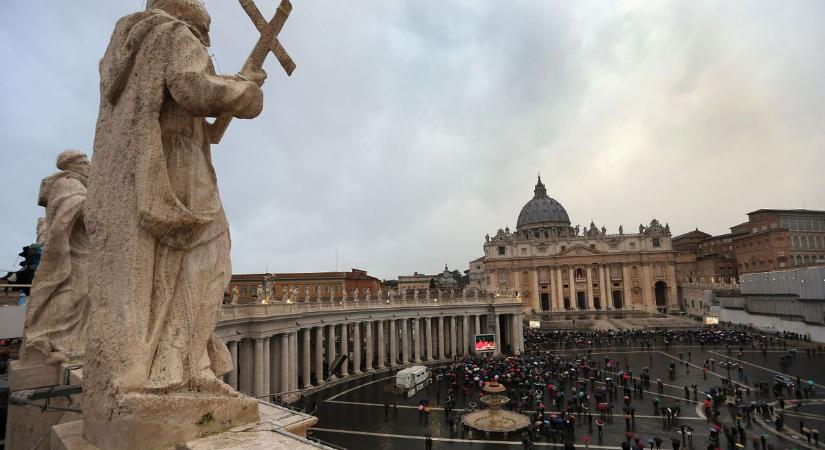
73	161
192	12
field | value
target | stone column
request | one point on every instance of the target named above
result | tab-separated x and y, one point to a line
441	349
233	354
514	334
356	348
571	275
259	368
536	295
267	366
417	340
307	344
428	330
497	323
293	361
453	347
647	286
284	359
379	335
465	328
369	345
559	288
344	349
274	364
405	341
627	283
476	324
393	344
330	350
673	298
319	355
589	277
246	379
604	287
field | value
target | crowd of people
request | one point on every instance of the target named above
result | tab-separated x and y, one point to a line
566	386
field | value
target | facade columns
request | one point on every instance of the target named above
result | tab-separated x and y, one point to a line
330	349
647	287
441	352
393	344
307	346
369	345
274	364
627	283
536	295
559	288
604	287
379	334
571	274
232	379
405	341
319	356
589	277
477	324
284	360
356	348
259	368
344	350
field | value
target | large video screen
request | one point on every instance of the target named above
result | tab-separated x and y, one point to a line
485	342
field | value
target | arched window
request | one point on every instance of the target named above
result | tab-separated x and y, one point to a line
794	242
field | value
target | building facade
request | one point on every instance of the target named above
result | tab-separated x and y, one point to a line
775	239
253	288
420	282
553	266
702	258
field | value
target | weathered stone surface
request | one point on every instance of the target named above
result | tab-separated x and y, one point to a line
58	305
159	235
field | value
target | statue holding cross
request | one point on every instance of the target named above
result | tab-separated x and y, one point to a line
159	236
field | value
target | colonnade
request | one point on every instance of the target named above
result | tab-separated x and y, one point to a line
300	358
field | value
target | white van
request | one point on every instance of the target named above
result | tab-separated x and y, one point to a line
412	378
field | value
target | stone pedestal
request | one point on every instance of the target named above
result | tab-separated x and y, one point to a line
278	428
158	421
29	425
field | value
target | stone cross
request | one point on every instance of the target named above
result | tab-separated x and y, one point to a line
268	42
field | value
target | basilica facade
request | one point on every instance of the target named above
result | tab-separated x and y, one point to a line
554	266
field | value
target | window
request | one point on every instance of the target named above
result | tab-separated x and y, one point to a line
563	247
523	251
502	276
593	246
614	246
657	242
633	246
501	251
660	270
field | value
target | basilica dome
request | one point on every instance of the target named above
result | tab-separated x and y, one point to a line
542	211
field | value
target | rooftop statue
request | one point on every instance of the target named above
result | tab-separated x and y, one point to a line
159	234
58	306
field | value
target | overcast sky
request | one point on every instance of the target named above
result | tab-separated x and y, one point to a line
410	129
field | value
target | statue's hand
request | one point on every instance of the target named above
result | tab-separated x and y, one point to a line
258	77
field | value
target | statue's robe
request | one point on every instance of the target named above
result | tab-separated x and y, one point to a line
158	230
58	305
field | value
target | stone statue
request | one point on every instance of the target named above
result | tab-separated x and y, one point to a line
159	234
58	306
355	295
415	294
344	294
604	230
577	230
367	294
380	294
464	293
427	295
235	295
641	228
621	229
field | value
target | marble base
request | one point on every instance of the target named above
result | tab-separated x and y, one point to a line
158	421
278	429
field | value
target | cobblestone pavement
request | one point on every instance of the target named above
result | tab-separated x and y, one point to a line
353	414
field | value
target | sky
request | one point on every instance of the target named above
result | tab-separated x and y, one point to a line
410	129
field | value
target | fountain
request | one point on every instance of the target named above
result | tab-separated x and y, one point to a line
494	419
